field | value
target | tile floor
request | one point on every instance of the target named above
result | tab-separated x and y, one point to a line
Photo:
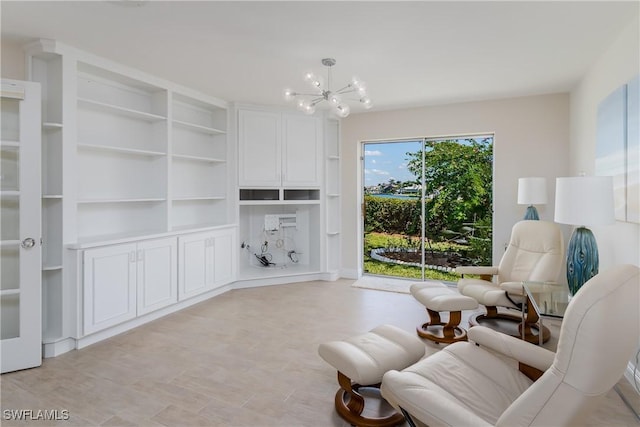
245	358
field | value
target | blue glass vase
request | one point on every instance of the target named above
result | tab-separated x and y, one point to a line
582	258
531	214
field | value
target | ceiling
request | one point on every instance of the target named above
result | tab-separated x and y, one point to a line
409	53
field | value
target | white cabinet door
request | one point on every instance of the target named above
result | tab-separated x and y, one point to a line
259	149
109	286
301	151
195	265
20	228
206	261
157	275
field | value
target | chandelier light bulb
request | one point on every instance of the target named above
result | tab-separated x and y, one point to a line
313	80
358	84
289	95
334	99
342	110
309	76
301	104
366	102
309	109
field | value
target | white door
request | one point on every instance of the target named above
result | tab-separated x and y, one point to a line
20	248
157	278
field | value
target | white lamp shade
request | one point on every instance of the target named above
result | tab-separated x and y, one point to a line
584	200
532	191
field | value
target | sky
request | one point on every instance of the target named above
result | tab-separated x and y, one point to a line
388	160
385	161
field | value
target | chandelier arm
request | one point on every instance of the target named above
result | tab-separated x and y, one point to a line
305	94
346	89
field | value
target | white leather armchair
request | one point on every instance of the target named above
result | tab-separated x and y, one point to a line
535	253
469	385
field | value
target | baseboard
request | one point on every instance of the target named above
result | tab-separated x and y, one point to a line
350	273
55	349
280	280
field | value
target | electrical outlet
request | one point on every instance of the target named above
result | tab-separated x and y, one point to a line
271	222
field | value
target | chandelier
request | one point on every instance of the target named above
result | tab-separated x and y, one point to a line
306	102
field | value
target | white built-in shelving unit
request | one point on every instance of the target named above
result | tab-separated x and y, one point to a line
128	161
199	164
281	178
333	195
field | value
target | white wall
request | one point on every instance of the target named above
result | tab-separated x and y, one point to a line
619	243
12	60
531	139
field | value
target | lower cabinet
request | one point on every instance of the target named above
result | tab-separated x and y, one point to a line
127	280
124	281
205	262
157	274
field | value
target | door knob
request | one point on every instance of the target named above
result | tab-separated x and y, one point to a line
28	243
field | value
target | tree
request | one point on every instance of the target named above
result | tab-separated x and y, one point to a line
458	182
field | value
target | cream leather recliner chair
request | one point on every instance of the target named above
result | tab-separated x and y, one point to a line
468	385
535	253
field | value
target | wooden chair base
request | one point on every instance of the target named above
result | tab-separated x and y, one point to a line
440	332
350	405
511	325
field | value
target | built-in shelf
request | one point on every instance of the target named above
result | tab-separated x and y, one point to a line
134	151
7	292
333	233
198	158
334	157
116	109
51	125
10	144
9	193
51	267
333	195
278	202
132	200
253	196
199	128
195	198
51	196
9	242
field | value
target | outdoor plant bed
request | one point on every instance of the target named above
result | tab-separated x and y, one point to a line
443	261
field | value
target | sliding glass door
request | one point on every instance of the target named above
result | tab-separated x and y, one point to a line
427	206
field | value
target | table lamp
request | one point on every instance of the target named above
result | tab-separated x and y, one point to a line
583	201
532	191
